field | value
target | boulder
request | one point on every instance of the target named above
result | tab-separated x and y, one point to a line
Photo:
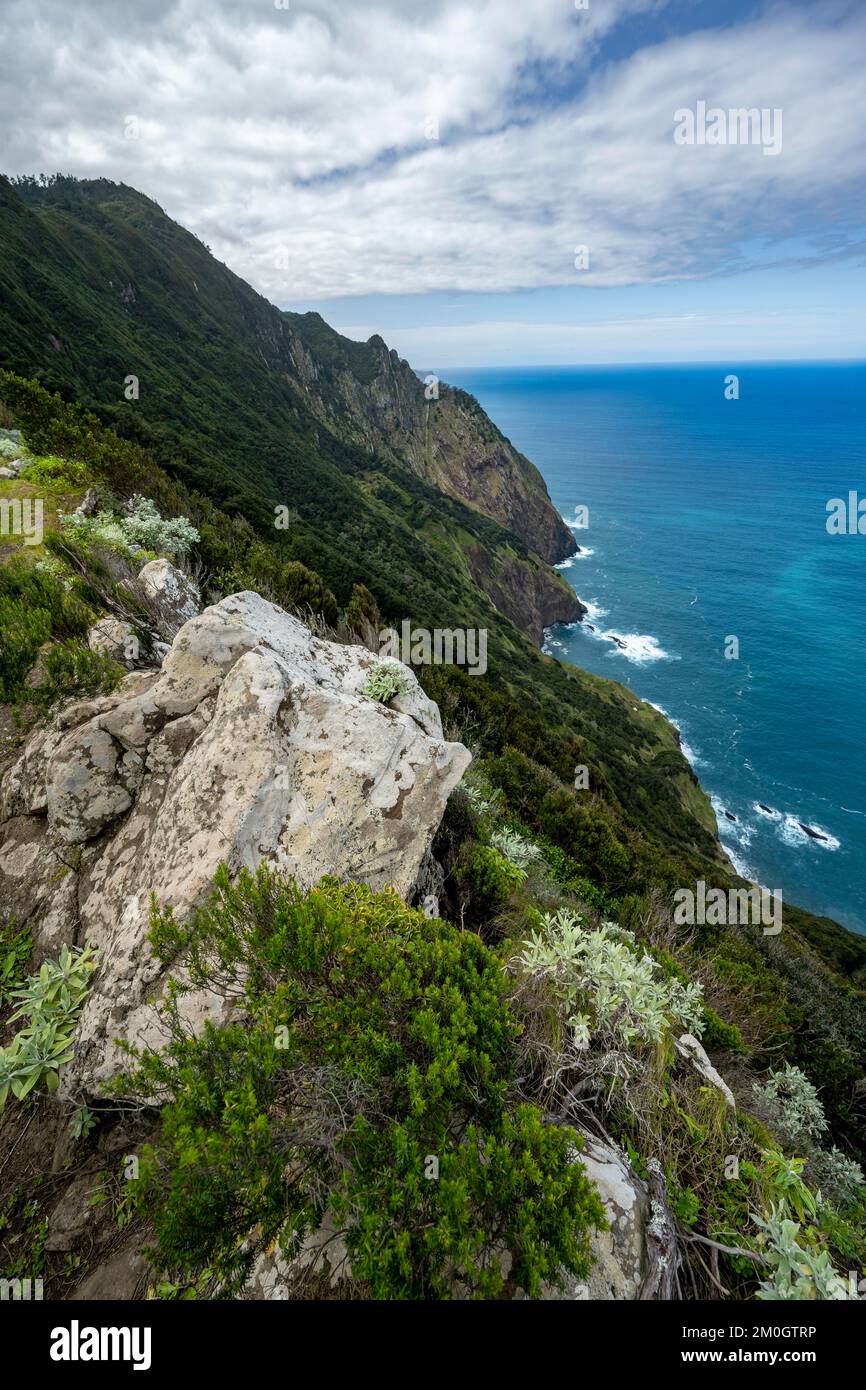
255	741
73	1214
116	639
171	592
89	504
620	1253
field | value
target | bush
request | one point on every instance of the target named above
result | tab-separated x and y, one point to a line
719	1035
793	1104
73	670
52	1001
605	990
491	877
798	1271
142	526
55	472
376	1046
34	607
386	680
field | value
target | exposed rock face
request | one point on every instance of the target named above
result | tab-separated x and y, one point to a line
173	593
255	741
620	1254
115	638
533	596
368	393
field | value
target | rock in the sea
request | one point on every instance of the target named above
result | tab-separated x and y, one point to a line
255	741
171	592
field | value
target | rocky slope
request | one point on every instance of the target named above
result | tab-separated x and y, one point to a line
254	741
256	408
368	393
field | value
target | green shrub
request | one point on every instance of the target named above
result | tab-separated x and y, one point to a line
376	1045
51	1000
719	1035
386	680
55	473
35	605
491	876
73	670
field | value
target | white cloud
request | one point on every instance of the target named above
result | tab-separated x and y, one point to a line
300	135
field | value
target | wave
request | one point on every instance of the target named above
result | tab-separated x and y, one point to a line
583	553
690	754
573	522
736	836
796	832
637	647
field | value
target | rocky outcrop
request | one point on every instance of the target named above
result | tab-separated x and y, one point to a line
172	593
533	596
254	742
115	638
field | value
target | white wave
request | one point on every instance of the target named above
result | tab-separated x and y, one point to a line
690	754
737	830
768	812
793	833
566	564
572	522
636	647
594	611
584	553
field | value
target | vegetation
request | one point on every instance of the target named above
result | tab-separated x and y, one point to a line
559	998
368	1081
385	681
51	1002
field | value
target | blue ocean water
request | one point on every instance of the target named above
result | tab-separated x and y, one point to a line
707	521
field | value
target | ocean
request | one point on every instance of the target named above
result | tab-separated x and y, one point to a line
707	522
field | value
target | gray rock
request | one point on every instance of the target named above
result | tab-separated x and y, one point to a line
171	592
120	1278
116	639
73	1214
619	1254
691	1051
89	504
255	741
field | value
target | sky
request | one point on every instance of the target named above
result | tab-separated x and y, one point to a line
483	182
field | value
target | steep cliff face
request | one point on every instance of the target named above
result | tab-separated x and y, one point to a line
256	408
366	392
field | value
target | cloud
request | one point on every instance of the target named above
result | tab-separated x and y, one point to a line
295	141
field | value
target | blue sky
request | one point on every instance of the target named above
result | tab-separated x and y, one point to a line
428	169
